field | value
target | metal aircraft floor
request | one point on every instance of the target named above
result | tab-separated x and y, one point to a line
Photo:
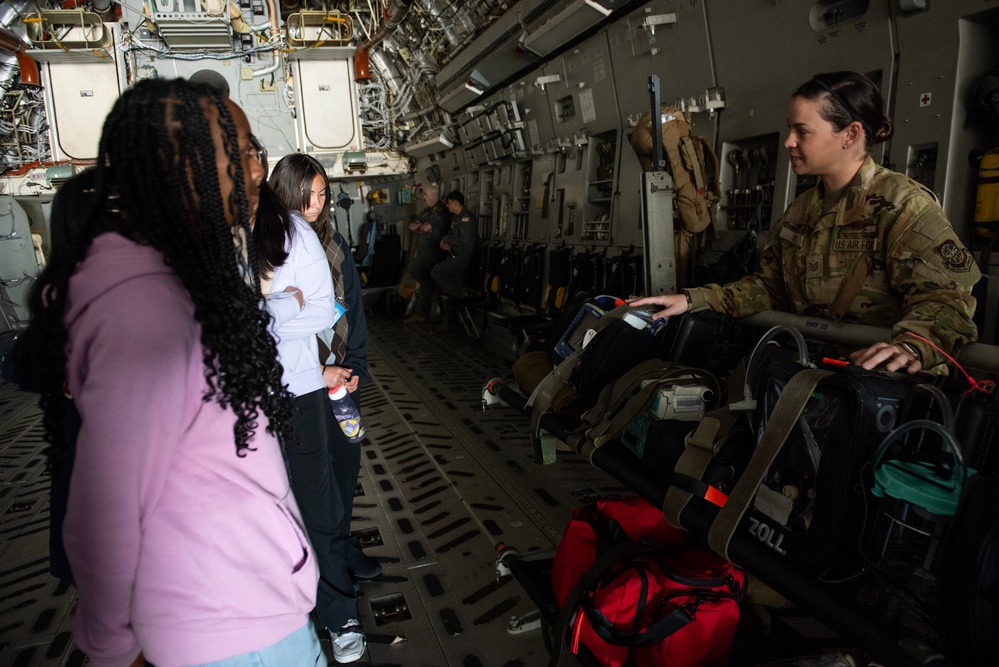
442	483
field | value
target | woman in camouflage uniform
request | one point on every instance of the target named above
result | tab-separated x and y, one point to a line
866	245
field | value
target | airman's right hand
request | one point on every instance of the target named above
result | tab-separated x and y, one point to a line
673	304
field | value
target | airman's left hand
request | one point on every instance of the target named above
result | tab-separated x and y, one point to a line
892	357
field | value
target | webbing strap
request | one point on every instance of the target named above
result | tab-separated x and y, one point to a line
625	398
540	400
569	607
657	632
672	135
856	276
785	415
699	488
702	444
596	427
695	164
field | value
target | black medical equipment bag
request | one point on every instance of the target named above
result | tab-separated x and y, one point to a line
707	341
614	350
810	506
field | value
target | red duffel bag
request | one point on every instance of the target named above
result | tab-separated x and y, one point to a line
633	591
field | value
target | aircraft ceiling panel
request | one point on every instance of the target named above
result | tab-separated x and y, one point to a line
486	61
499	37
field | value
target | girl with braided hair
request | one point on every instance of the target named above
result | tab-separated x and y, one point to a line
185	541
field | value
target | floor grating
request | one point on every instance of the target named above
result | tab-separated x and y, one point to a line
441	484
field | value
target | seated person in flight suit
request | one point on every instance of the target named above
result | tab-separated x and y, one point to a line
866	245
459	244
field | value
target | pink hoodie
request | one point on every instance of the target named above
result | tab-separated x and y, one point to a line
179	547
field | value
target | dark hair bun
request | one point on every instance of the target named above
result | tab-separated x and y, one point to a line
883	132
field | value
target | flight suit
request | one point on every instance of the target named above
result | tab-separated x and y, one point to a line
426	255
462	237
882	255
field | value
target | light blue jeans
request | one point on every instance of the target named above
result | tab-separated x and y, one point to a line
299	649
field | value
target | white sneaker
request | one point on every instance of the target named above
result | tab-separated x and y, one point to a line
348	642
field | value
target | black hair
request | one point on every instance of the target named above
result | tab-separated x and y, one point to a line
291	181
850	97
455	195
271	229
156	183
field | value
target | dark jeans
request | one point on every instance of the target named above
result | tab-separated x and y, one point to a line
317	489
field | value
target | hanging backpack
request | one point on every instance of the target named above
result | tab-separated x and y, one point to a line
691	162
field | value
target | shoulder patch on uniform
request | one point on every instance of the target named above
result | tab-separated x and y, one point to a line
955	257
465	218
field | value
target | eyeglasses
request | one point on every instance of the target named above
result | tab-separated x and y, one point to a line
257	151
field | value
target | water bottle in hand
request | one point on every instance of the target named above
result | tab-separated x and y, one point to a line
347	414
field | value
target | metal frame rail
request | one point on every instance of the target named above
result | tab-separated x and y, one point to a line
978	356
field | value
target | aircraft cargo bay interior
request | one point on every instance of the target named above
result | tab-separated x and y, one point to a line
444	486
500	333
